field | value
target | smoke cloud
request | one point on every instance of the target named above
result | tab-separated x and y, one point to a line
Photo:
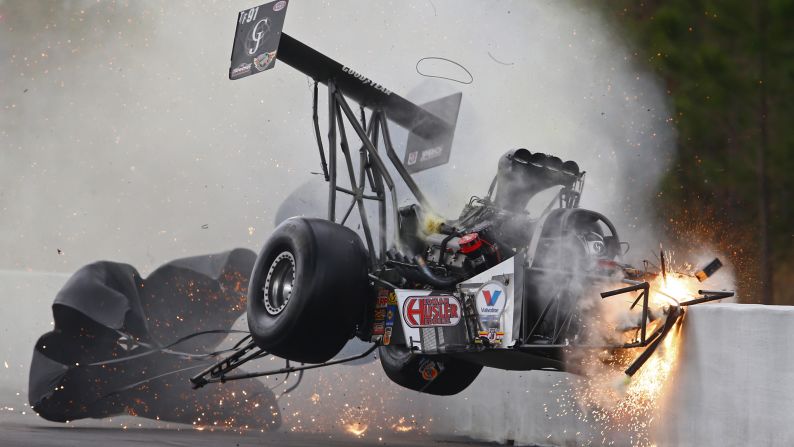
122	138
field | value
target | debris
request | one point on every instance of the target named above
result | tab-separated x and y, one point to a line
498	61
471	78
205	226
60	252
708	270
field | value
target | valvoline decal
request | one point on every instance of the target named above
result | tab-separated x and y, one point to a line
491	298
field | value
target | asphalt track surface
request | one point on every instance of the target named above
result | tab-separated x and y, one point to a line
30	431
34	436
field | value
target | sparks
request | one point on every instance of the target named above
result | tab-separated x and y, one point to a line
621	408
356	428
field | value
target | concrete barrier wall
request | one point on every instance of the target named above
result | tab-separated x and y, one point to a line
734	385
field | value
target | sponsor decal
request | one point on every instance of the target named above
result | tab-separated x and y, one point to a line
279	5
391	315
365	80
433	152
379	314
263	61
412	158
431	311
387	335
493	336
491	298
429	369
241	69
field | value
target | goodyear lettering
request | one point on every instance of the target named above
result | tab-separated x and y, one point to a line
365	80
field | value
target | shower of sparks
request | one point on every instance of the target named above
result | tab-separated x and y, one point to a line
356	400
356	428
401	426
622	410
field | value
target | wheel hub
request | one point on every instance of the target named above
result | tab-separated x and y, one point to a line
279	283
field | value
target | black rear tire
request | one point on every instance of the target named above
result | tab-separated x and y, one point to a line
440	375
308	290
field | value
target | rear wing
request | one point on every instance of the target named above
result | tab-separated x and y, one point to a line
259	42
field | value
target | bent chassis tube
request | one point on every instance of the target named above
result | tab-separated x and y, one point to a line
217	372
675	314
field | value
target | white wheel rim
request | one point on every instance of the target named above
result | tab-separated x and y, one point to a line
279	283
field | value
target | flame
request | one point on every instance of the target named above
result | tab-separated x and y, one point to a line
356	428
673	290
401	427
645	389
622	409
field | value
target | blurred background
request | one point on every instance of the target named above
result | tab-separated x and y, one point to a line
122	138
728	69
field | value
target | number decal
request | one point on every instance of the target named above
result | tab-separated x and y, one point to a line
248	16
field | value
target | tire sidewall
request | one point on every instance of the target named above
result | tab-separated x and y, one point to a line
328	296
275	328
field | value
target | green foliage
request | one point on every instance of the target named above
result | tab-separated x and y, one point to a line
710	55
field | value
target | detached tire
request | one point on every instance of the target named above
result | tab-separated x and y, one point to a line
415	371
308	290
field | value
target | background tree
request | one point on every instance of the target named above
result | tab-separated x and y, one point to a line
729	69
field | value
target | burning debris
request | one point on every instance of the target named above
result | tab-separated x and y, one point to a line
708	270
616	396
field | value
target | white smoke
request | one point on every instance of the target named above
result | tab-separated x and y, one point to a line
122	138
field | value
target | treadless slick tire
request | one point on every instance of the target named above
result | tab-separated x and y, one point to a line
406	369
308	290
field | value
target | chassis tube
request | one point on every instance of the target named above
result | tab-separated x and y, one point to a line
398	165
672	318
331	152
358	191
373	153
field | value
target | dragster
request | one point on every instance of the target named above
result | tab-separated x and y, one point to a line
438	298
